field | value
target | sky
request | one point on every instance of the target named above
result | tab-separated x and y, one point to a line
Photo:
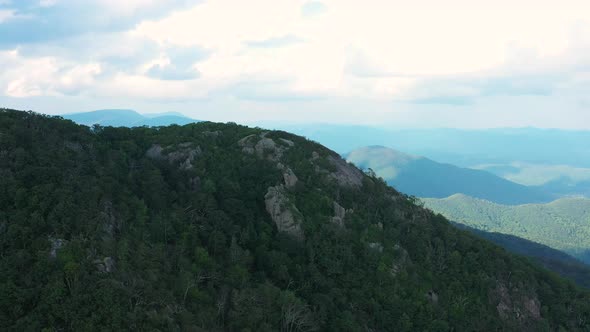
422	63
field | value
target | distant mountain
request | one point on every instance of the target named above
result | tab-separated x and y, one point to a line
563	224
423	177
552	259
128	118
462	147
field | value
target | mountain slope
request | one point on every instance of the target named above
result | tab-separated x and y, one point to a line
212	227
423	177
127	118
552	259
563	224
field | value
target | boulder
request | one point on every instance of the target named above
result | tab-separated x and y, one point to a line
339	214
282	212
289	177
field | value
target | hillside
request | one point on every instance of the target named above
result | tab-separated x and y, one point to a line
127	118
552	259
563	224
219	227
423	177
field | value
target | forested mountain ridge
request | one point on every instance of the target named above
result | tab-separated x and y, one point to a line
423	177
563	224
220	227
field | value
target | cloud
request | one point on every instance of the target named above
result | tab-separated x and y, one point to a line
180	64
38	21
397	62
313	8
275	42
172	72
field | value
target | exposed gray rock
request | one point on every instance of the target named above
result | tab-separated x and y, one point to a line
288	142
155	152
346	174
105	265
56	244
339	214
264	147
216	133
74	146
432	297
282	212
314	155
289	177
376	246
195	183
185	153
108	218
400	261
267	147
514	304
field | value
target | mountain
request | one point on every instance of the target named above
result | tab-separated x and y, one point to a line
220	227
128	118
552	259
563	224
461	147
423	177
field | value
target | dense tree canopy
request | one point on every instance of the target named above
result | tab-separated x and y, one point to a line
174	228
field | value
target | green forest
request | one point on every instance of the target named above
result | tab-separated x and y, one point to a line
221	227
563	224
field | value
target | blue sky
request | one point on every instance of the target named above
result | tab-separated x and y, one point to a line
424	63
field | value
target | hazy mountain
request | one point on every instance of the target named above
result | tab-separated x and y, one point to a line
563	224
460	147
128	118
423	177
552	259
220	227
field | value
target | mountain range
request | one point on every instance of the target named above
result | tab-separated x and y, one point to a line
128	118
423	177
221	227
563	224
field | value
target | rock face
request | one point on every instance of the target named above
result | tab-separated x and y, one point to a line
401	260
56	244
105	265
282	212
184	153
289	177
516	305
345	174
376	246
339	214
264	147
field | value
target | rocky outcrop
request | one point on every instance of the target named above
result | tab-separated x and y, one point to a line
264	147
56	244
345	173
517	305
339	214
282	212
184	154
289	177
432	297
401	260
288	142
74	146
215	133
376	246
105	265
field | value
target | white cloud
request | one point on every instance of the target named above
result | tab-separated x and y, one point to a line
392	58
6	15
